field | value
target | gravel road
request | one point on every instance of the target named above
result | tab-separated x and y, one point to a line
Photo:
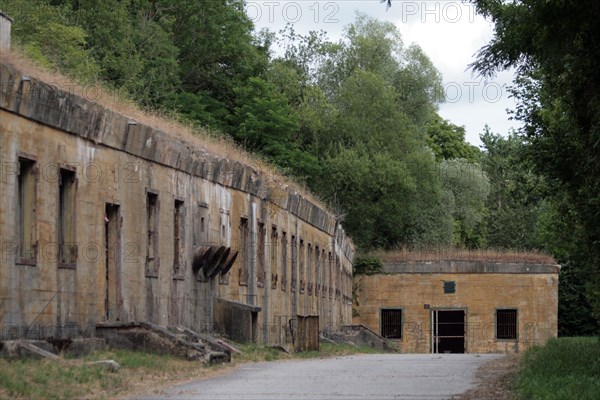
372	377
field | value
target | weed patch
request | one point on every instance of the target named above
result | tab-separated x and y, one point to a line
565	368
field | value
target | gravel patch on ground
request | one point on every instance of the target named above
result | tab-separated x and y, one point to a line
494	380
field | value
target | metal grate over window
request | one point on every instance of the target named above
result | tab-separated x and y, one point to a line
391	324
506	324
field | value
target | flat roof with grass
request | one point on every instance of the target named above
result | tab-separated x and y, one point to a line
467	261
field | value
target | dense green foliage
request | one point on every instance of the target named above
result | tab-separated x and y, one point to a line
565	368
366	265
555	48
525	211
356	120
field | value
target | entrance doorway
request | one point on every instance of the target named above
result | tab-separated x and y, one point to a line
448	331
112	257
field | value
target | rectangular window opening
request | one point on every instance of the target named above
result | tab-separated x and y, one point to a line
391	324
449	287
317	278
309	260
260	255
506	324
243	256
67	246
302	266
274	242
338	278
283	261
178	239
294	264
26	212
323	273
152	261
225	240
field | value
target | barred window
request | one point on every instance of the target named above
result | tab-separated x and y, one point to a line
391	324
506	324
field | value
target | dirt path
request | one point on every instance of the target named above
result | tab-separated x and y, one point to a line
494	380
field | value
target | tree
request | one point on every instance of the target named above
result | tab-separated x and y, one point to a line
555	48
387	201
448	141
516	193
468	188
47	35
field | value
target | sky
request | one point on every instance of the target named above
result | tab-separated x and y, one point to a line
449	32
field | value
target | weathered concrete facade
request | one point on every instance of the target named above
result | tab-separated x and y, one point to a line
106	219
472	307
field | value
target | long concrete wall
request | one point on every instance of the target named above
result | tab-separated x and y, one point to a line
124	171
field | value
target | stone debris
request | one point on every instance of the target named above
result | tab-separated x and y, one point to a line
110	365
26	349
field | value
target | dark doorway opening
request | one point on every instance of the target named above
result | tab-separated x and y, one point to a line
448	331
254	326
112	257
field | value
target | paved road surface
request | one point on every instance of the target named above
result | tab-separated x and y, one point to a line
372	377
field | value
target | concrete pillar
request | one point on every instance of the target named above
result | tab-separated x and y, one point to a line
5	26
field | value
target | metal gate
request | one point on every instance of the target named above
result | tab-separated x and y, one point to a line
448	330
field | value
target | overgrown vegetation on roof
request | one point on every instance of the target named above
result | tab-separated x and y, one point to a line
473	255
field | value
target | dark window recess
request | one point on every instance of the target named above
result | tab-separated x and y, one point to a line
178	239
26	212
67	246
260	252
338	278
294	264
225	223
330	276
391	324
449	287
274	238
283	261
309	260
302	266
506	324
152	262
324	274
317	279
200	224
244	247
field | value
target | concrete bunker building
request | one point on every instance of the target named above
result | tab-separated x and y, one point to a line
460	306
105	219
